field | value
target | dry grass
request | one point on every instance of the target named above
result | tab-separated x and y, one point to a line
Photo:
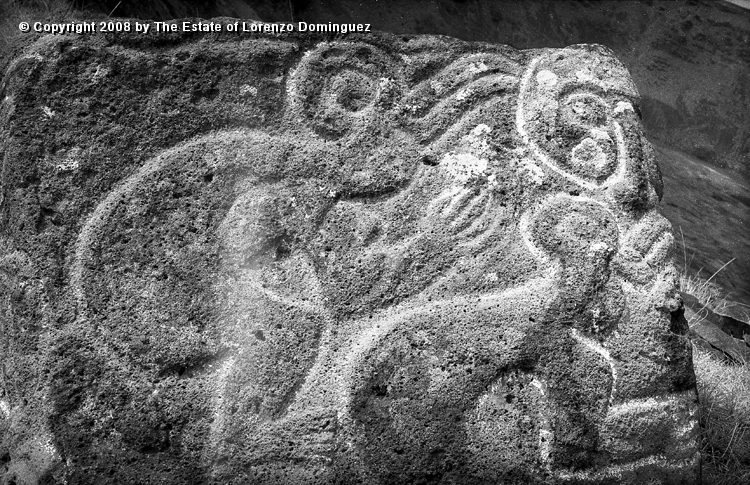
705	291
708	293
724	392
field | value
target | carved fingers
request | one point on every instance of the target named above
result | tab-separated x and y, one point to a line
646	249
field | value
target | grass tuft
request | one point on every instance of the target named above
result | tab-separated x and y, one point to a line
709	294
724	414
705	291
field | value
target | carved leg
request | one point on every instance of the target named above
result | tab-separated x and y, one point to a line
271	320
420	392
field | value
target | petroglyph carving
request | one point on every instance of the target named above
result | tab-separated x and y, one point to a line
441	261
338	87
591	137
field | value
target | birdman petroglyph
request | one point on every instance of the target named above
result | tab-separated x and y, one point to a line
443	263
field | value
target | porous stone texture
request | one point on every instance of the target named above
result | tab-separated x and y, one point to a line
357	259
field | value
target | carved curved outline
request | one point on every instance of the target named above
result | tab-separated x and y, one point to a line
520	126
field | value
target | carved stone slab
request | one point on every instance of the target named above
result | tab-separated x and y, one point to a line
355	259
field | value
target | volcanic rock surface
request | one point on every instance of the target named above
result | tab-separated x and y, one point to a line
307	259
689	59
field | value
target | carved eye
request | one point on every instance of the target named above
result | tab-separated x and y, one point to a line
585	110
352	90
336	87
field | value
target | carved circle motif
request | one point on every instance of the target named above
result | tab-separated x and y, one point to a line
338	87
